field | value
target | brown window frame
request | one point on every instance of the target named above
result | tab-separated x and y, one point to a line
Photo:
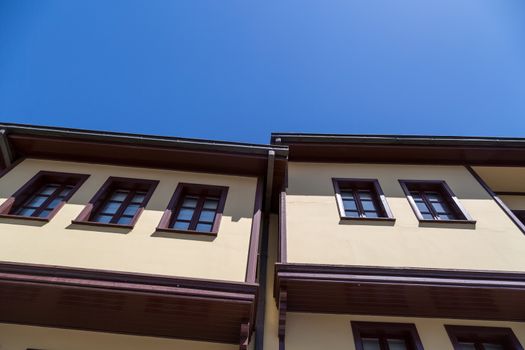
438	186
384	330
477	334
377	194
94	205
175	204
25	192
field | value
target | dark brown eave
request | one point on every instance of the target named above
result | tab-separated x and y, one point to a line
486	295
403	149
140	150
127	303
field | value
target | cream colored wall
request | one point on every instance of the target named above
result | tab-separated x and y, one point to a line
142	250
322	331
514	202
18	337
503	179
316	235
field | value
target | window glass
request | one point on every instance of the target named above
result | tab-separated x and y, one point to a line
371	344
397	344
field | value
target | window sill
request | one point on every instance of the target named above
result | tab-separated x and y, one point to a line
347	218
188	232
21	217
101	224
430	221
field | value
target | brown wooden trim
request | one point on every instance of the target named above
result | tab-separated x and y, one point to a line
282	304
24	192
129	303
244	338
85	216
380	199
509	193
282	251
407	331
483	334
253	252
454	202
498	200
417	292
176	202
11	167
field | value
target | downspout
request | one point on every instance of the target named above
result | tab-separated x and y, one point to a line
5	149
263	255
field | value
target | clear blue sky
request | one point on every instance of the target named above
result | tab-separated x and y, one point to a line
237	70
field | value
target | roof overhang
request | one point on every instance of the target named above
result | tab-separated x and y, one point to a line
412	292
127	303
403	149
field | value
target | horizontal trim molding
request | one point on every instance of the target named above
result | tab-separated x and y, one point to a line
129	303
403	291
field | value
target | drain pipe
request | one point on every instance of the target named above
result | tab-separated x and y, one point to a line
263	254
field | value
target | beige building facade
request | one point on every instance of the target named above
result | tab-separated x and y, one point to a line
120	241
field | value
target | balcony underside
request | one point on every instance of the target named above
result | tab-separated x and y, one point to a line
403	291
125	303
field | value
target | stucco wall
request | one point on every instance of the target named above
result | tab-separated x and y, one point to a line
316	235
142	249
19	337
322	331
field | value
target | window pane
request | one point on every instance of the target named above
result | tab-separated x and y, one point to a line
44	213
447	217
396	344
371	344
440	207
181	225
351	213
48	189
434	197
204	227
110	208
131	209
26	212
368	205
54	203
371	214
427	216
103	218
66	191
119	196
491	346
364	195
36	201
124	220
422	207
467	346
190	202
347	194
138	198
349	204
207	215
211	204
185	214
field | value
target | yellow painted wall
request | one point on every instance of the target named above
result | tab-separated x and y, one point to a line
142	249
19	337
316	235
322	331
503	179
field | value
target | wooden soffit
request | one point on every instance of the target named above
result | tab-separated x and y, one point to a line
125	303
403	291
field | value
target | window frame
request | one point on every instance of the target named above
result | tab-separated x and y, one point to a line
93	206
442	187
175	203
363	329
483	334
32	185
377	193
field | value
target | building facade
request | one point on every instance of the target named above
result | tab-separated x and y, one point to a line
121	241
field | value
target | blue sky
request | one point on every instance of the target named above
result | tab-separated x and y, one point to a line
237	70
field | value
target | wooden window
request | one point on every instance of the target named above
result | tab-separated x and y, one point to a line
482	338
119	202
434	201
385	336
42	196
361	199
194	209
